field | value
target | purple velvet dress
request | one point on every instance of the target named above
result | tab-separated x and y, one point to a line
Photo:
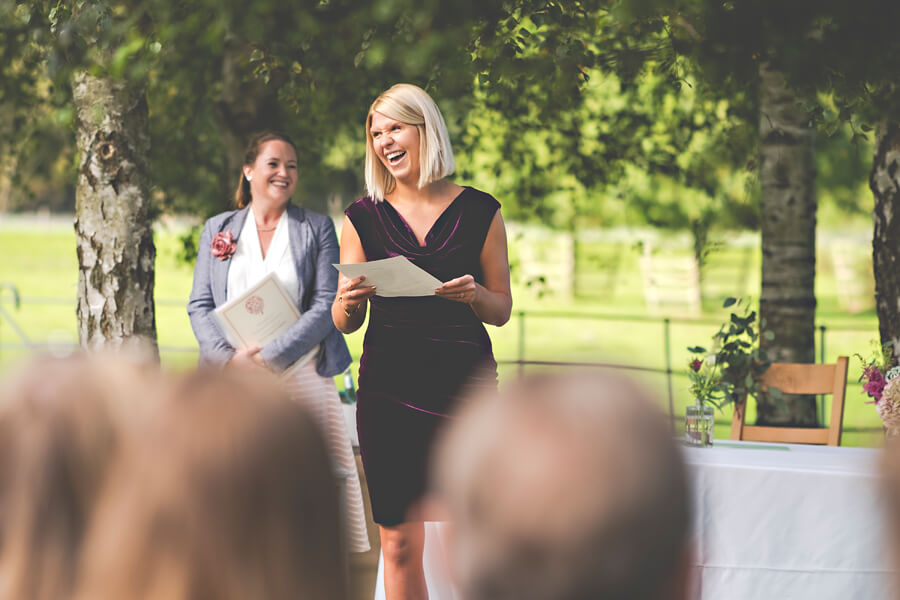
419	354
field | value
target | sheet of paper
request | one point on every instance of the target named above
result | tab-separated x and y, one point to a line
393	277
259	315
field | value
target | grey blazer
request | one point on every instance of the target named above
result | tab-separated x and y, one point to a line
315	248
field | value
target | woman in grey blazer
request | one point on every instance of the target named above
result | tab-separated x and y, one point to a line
314	248
268	234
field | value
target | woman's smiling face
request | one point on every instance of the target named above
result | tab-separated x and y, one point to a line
397	146
274	173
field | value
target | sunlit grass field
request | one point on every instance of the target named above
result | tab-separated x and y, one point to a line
608	320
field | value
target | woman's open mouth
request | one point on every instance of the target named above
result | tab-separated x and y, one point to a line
395	157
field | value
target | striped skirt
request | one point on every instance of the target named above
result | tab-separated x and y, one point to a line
320	397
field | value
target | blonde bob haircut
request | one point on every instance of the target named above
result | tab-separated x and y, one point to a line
412	105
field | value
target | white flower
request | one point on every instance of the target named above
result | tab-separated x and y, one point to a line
889	406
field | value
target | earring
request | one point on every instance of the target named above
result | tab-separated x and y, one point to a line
249	178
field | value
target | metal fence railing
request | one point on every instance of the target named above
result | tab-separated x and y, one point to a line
9	296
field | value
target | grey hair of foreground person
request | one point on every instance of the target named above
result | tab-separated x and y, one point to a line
565	487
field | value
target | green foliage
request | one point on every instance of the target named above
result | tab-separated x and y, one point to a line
848	50
572	113
641	153
881	357
731	370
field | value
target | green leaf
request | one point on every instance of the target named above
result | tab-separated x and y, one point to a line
729	302
768	335
697	349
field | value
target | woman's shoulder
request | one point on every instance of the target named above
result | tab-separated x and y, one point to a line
479	200
216	222
315	219
363	206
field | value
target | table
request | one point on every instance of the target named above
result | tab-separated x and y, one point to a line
771	521
787	521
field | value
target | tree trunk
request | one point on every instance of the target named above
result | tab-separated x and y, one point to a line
114	239
884	181
7	171
787	300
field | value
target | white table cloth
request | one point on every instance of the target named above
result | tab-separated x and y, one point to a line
771	521
787	521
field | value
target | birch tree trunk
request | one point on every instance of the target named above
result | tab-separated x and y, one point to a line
884	180
114	239
787	300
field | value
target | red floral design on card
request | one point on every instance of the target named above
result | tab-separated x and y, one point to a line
254	305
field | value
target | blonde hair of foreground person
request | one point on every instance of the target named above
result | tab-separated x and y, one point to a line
564	488
412	105
62	421
890	486
230	495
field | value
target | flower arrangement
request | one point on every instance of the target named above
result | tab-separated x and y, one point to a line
881	382
223	245
730	370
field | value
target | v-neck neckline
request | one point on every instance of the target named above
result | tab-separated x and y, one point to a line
433	224
267	262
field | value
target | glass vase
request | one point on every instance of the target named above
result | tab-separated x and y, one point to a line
699	424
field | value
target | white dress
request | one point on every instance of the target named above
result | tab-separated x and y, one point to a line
316	393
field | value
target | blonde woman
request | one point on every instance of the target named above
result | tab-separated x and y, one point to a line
419	354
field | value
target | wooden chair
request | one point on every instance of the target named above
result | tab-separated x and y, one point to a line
793	378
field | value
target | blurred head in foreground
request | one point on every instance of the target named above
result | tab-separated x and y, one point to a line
890	483
564	488
62	421
228	495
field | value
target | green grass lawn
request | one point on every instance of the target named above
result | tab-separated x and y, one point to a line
615	325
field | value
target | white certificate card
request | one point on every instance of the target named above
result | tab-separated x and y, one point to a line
259	315
393	277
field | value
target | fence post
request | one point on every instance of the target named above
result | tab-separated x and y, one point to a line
17	302
821	412
669	372
521	358
822	344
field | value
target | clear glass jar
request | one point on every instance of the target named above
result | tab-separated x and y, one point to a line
699	425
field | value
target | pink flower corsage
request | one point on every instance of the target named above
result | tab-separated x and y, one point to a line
223	245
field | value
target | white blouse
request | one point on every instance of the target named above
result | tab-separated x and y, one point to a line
248	266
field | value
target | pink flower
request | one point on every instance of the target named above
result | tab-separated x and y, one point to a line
223	245
696	364
875	382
